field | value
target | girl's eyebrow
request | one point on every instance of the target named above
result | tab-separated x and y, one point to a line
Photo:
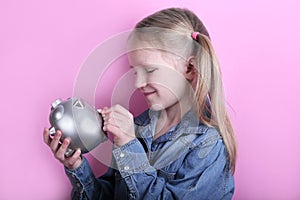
132	67
144	65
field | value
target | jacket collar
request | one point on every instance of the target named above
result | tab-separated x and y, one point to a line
189	124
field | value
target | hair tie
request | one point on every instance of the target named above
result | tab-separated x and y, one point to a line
194	35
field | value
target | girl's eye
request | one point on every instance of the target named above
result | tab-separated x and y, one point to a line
150	70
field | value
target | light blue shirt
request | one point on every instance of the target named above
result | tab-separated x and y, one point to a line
187	162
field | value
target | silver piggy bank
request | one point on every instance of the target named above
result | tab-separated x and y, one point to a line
76	119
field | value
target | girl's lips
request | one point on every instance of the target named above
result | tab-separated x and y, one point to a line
148	93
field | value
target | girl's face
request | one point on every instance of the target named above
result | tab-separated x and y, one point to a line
161	78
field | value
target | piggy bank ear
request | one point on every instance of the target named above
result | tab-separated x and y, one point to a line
55	103
78	104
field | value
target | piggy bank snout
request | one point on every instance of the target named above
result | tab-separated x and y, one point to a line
76	119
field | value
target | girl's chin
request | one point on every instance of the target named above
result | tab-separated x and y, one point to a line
155	107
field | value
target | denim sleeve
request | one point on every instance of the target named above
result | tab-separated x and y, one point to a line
203	174
86	186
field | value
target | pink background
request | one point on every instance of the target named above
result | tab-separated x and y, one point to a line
44	43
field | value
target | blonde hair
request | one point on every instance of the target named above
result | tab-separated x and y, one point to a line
209	90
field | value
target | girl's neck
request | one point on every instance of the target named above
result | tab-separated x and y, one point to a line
169	118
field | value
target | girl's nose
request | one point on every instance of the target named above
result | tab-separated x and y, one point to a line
140	81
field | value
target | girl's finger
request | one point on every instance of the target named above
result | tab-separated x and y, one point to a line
112	129
60	153
117	116
71	161
119	109
54	144
103	111
46	136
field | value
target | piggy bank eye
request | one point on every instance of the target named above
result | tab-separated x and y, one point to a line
58	112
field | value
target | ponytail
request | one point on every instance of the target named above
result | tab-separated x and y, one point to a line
210	95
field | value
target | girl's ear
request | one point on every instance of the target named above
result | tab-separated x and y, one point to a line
191	69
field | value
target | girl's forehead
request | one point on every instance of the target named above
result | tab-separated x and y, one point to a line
157	58
145	56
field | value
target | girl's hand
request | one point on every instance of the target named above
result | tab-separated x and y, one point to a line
119	122
59	150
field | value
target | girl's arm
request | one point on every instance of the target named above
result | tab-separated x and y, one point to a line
77	168
86	186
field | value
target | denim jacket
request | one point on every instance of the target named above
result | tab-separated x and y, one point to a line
187	162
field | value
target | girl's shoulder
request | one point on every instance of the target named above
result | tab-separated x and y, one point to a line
206	135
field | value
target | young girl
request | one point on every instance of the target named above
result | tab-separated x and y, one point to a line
183	146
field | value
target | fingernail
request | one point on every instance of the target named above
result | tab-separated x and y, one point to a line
78	152
99	110
66	142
